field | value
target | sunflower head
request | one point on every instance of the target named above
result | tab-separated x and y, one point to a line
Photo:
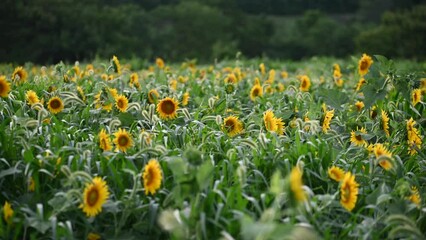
284	74
94	196
296	184
270	121
380	150
153	95
152	177
232	126
359	106
416	96
116	65
356	137
336	173
385	123
305	83
256	91
360	83
104	141
4	87
262	68
167	108
348	191
185	99
364	64
160	63
122	140
121	102
55	105
19	75
7	212
327	119
415	196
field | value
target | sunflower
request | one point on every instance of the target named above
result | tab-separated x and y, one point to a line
413	137
122	140
232	126
284	74
280	87
31	184
19	74
270	121
336	173
415	196
95	195
305	83
262	68
385	164
356	137
185	99
280	126
360	83
93	236
80	92
121	102
134	80
271	76
152	177
173	84
104	140
55	105
326	123
348	191
116	64
256	91
160	63
364	64
416	96
231	78
385	122
373	112
153	95
359	106
383	156
4	87
167	108
7	212
337	74
296	184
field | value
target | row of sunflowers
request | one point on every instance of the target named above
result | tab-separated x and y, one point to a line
245	149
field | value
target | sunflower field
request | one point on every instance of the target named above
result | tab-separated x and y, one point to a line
241	149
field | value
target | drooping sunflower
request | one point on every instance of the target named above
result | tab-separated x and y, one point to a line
7	212
270	121
364	64
160	63
280	126
116	64
31	184
413	135
232	126
296	184
94	196
104	140
385	122
231	78
284	74
153	95
185	99
415	196
121	102
134	80
122	140
416	96
167	108
327	119
81	94
173	84
256	91
356	137
305	83
271	76
262	68
4	87
359	106
55	105
152	177
383	156
360	83
19	75
349	191
336	173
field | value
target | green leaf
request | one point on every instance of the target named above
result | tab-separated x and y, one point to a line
204	174
333	97
126	119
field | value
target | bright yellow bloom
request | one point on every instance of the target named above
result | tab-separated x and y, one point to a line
167	108
359	106
280	126
384	156
31	185
81	93
336	173
262	68
327	119
280	87
416	96
361	82
160	63
271	76
7	212
348	191
337	74
364	64
296	184
121	102
20	75
284	74
413	135
173	85
305	83
185	99
94	196
55	105
356	137
270	121
231	78
4	87
116	64
152	177
123	140
134	80
93	236
415	196
104	140
153	95
232	126
385	122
